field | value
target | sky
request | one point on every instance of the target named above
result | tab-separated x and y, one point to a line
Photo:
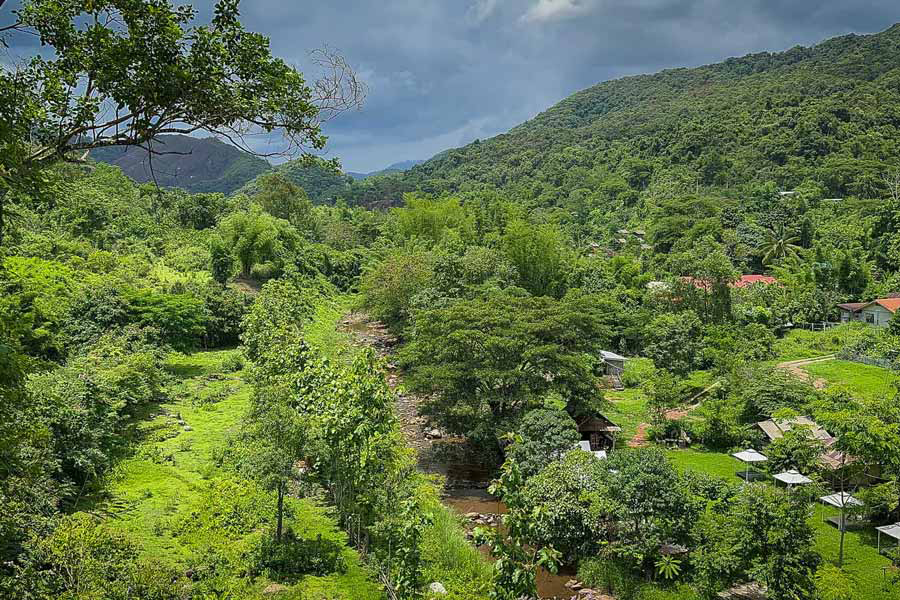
442	73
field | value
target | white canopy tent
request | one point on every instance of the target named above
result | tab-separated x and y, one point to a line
843	501
792	478
749	457
890	531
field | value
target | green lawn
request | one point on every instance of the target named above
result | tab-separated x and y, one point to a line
864	381
861	559
153	492
713	463
627	409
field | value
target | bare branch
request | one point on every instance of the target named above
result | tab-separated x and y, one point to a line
339	89
892	180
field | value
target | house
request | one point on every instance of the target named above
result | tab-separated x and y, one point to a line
585	446
613	364
775	429
748	280
877	312
598	431
831	459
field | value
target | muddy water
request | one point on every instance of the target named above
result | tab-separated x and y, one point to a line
465	501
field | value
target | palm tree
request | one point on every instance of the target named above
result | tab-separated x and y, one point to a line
779	245
668	567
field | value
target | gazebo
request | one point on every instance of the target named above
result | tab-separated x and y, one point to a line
792	478
890	531
749	457
843	501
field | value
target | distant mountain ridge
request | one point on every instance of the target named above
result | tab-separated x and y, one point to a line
397	167
195	164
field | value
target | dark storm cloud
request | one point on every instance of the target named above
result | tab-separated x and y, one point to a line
444	72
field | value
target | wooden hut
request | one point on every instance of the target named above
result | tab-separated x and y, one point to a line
599	431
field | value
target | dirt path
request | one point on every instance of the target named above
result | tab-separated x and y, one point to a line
795	368
368	332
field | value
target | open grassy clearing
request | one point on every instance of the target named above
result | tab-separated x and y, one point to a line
156	491
627	409
323	333
798	344
864	381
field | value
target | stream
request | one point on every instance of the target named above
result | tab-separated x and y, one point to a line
467	480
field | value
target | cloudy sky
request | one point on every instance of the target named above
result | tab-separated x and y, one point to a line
442	73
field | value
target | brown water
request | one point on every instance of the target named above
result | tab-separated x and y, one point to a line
464	501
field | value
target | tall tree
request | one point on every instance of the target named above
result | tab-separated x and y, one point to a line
488	358
122	72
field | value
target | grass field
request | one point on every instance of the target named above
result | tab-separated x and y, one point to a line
863	381
153	493
627	409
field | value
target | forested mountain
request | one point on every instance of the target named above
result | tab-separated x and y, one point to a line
192	164
828	113
322	183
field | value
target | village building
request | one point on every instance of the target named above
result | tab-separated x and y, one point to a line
599	432
744	281
748	280
878	312
613	364
831	458
775	429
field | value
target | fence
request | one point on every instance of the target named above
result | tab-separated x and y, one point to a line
884	363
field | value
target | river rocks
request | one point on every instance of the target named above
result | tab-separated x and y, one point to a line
574	585
437	588
434	434
188	428
483	519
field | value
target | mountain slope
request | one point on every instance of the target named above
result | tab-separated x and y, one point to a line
322	184
828	113
196	165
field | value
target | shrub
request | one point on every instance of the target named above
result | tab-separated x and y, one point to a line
609	575
84	559
547	435
295	557
637	371
234	363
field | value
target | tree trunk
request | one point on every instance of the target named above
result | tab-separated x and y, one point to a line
280	512
843	528
2	206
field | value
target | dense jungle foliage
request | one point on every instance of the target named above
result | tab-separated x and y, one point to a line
181	419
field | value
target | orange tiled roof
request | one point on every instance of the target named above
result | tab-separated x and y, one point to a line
891	304
747	280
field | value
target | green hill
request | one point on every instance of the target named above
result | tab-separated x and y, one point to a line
828	113
193	164
322	184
